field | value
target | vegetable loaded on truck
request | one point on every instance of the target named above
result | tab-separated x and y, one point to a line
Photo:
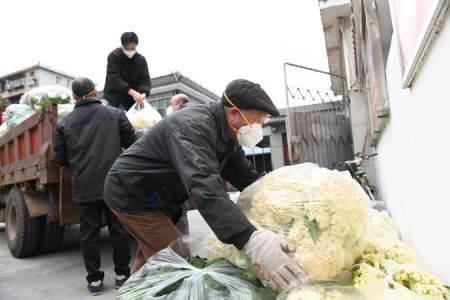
35	194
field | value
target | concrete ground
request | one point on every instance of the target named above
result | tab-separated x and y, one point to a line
61	275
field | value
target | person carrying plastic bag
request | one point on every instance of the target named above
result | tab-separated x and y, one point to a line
143	116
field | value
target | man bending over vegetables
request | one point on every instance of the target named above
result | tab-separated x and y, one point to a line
184	156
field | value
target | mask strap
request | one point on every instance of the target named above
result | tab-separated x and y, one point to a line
89	94
232	104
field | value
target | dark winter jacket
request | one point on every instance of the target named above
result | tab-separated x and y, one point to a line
88	141
123	74
184	156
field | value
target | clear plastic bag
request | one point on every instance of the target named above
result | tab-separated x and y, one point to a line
378	278
374	282
143	116
379	290
44	96
383	237
327	291
322	212
170	274
17	113
383	290
3	129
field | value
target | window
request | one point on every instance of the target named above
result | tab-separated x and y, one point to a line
58	80
160	105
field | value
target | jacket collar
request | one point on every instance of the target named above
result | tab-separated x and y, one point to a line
87	101
219	110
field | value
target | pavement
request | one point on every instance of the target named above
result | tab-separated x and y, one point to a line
61	275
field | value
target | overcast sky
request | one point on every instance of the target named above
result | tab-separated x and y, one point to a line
211	42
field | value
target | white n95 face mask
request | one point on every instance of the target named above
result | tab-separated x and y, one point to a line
129	53
250	135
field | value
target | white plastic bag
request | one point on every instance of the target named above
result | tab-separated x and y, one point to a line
3	129
167	275
44	96
143	116
17	113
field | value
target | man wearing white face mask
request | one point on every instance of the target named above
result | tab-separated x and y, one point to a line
127	77
184	157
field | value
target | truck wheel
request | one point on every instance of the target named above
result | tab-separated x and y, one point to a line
52	235
22	232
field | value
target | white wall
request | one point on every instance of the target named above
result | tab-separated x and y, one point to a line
360	121
359	116
413	165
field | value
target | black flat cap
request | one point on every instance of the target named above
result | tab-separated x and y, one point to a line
249	95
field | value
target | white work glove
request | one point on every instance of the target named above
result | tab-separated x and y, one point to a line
269	253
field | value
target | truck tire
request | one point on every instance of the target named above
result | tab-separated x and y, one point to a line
21	231
52	235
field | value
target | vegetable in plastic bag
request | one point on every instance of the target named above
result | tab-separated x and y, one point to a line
321	292
383	290
3	129
17	113
167	275
383	238
408	279
44	96
143	116
373	284
323	213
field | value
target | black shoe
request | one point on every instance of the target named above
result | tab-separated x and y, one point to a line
96	287
120	280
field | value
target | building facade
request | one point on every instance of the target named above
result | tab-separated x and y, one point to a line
165	87
14	85
395	61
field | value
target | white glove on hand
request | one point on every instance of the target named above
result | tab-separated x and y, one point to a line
269	252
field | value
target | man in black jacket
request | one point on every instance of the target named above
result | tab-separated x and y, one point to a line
127	77
184	157
88	141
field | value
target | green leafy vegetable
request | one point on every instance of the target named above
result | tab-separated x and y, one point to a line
313	228
214	285
197	261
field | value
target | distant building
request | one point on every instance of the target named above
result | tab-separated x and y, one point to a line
165	87
14	85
